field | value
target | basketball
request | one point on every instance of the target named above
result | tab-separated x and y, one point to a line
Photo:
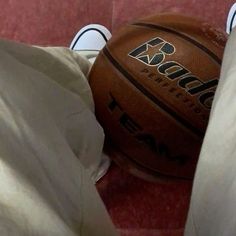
153	86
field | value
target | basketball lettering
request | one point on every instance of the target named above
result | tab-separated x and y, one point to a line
153	85
141	53
161	150
173	70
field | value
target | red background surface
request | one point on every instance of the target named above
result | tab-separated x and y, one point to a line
54	22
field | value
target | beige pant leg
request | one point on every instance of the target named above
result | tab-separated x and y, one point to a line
213	203
51	145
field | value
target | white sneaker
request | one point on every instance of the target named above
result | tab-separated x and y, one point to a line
231	19
92	37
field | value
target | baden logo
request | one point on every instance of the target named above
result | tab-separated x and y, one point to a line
154	52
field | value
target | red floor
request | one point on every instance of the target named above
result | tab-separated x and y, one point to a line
137	208
54	22
142	208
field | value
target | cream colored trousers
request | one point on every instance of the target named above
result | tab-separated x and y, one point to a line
213	203
51	145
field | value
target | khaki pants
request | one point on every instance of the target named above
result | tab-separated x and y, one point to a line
51	145
213	203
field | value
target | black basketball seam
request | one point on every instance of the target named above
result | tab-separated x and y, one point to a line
184	36
149	95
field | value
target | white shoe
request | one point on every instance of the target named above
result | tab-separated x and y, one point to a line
231	19
92	37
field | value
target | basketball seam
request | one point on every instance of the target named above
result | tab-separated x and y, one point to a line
149	95
184	36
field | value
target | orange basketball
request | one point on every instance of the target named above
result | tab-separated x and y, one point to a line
153	86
